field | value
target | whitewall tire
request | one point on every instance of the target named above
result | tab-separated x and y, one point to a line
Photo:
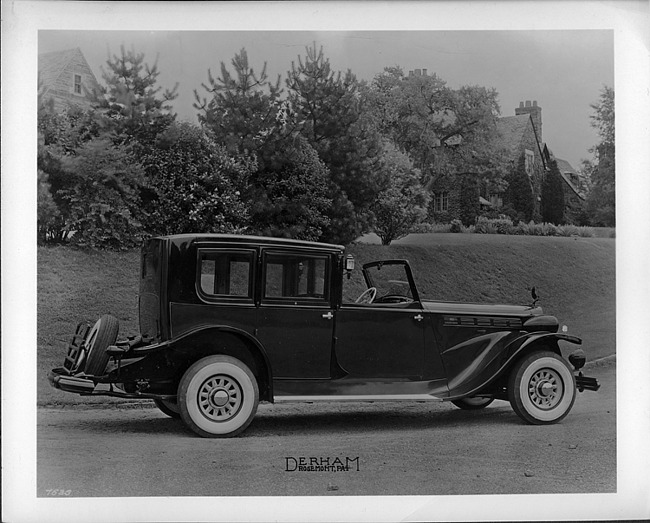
542	388
218	397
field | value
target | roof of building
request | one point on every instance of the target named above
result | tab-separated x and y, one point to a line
511	131
566	170
51	65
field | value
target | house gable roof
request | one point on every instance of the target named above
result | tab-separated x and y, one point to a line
566	170
54	64
511	132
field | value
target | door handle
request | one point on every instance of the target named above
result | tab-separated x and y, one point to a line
328	316
418	317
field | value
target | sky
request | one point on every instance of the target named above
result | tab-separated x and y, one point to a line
563	70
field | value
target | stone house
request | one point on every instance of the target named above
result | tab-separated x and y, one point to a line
519	135
66	78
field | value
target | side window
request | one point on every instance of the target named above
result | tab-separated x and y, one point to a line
225	274
296	278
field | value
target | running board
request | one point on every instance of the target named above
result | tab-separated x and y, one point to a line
361	398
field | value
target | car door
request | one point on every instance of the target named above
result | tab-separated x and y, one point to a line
380	341
384	338
295	318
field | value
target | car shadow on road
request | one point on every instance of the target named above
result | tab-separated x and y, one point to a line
361	422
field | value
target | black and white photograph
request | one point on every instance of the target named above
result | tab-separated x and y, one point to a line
325	261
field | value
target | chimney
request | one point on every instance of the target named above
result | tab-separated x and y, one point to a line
424	72
418	72
535	112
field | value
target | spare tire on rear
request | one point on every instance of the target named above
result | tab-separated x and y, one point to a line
99	338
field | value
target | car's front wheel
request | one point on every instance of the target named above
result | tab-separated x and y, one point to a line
473	403
218	397
541	388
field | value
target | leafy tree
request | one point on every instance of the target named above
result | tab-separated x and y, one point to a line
330	109
601	200
518	197
132	102
194	185
288	193
553	196
288	197
102	198
451	135
244	109
445	131
404	203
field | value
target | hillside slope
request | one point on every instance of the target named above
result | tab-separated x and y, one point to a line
575	278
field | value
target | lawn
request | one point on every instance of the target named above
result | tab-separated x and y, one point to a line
575	278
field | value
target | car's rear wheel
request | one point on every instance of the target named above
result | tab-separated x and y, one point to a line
218	397
542	388
103	334
169	407
473	403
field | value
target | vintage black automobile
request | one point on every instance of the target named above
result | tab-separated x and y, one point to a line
228	321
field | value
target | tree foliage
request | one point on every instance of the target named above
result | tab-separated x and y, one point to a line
553	196
134	105
601	201
518	197
102	196
244	109
404	203
289	195
194	185
330	109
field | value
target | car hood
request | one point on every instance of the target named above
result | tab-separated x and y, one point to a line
450	307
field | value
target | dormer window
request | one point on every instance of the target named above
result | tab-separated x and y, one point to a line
77	84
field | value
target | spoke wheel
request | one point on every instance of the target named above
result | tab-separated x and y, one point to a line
473	403
542	388
103	334
218	397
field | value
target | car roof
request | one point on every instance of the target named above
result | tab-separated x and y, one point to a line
250	240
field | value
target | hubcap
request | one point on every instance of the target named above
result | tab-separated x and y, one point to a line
545	389
220	398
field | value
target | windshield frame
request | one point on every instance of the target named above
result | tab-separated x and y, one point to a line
379	264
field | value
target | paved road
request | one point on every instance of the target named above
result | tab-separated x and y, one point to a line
402	448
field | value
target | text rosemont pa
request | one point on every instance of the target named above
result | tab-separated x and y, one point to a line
321	464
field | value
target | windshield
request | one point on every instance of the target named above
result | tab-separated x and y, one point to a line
390	278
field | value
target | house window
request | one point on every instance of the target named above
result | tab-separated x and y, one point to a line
440	201
77	84
530	162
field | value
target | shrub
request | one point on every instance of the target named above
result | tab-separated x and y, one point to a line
574	230
498	226
456	226
102	197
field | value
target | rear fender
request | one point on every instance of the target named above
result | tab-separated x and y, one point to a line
170	360
493	363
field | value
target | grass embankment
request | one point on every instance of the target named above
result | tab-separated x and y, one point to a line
575	278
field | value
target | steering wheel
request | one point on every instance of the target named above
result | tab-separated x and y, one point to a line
367	296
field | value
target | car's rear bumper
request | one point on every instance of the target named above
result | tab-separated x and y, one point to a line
60	379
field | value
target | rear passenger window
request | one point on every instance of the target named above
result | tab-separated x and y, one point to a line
226	274
296	278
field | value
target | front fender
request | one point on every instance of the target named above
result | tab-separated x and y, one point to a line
496	358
